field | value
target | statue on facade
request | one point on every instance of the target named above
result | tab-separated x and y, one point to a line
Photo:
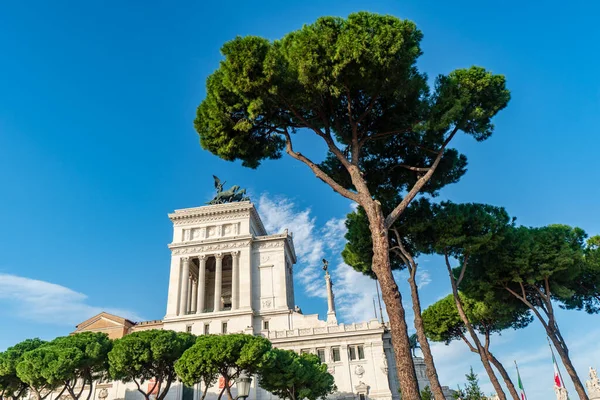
561	393
233	194
593	385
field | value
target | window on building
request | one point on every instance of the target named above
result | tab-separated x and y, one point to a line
224	327
266	325
206	329
188	329
321	354
335	354
361	396
356	352
305	351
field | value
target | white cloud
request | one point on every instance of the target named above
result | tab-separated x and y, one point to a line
354	292
280	213
47	302
423	278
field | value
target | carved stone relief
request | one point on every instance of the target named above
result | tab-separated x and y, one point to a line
269	245
196	234
384	367
212	231
359	371
266	303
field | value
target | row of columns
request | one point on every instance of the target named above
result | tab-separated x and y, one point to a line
195	289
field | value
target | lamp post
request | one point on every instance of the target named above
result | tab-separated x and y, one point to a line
243	386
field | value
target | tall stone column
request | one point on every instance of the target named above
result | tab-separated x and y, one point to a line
194	296
201	284
189	292
185	276
331	317
218	281
235	280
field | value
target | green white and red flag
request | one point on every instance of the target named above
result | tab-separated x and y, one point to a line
557	379
522	395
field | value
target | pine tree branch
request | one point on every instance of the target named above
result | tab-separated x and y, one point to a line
318	171
393	216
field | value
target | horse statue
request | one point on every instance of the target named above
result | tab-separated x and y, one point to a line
233	194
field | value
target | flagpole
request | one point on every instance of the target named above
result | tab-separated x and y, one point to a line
379	299
520	381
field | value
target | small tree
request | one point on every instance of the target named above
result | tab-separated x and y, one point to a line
36	368
145	355
81	358
192	367
472	389
352	84
540	267
11	386
444	324
224	355
295	377
426	394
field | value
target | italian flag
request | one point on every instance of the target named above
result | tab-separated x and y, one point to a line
521	388
557	381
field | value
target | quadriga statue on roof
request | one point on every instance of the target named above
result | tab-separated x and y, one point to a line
234	193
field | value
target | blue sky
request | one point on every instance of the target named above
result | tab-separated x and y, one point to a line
97	146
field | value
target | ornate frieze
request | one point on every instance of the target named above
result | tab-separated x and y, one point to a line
273	244
211	247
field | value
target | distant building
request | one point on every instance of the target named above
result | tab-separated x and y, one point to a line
228	275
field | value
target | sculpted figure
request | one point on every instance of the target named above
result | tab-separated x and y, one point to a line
593	385
234	193
561	393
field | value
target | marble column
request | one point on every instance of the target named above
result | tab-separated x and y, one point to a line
189	292
218	281
201	284
194	296
235	279
331	317
185	276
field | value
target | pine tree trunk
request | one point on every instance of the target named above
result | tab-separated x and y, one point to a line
392	298
432	376
563	352
480	349
505	376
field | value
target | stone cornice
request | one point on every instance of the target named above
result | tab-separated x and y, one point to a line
274	241
216	212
